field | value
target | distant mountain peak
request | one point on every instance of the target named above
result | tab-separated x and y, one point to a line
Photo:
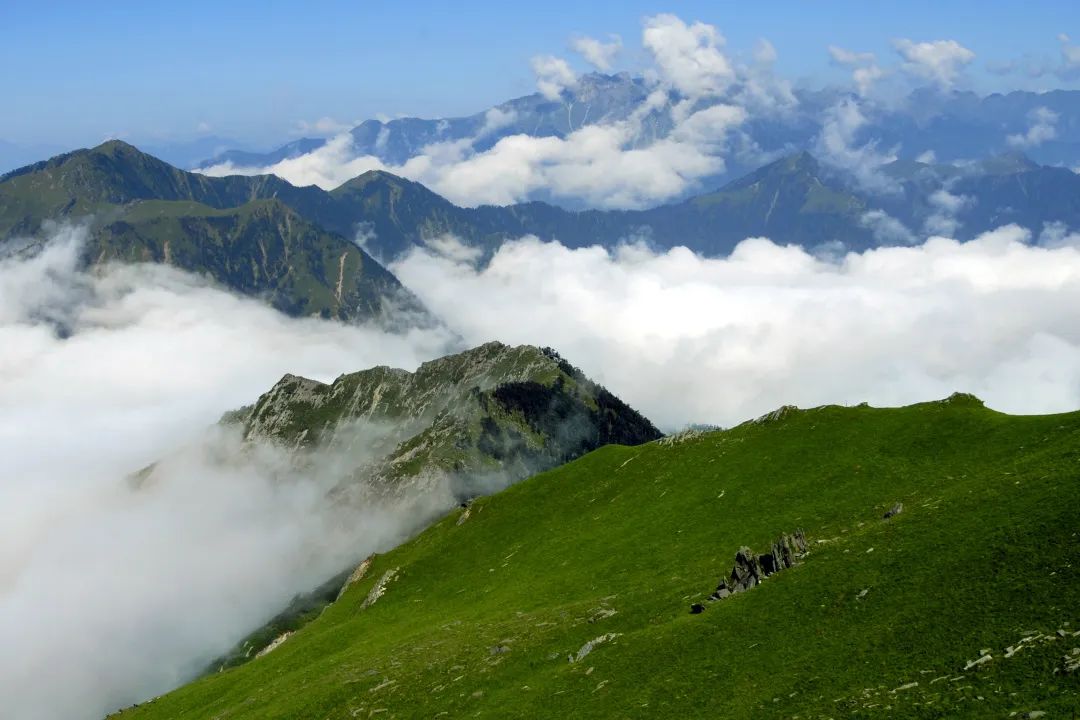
801	165
1007	163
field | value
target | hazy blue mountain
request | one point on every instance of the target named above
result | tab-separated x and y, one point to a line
954	126
188	153
249	158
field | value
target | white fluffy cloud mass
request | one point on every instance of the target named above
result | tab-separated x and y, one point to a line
553	76
689	56
1042	127
686	339
940	61
600	163
108	596
601	55
839	145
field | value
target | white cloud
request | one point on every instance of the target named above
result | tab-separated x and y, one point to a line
838	145
928	157
697	97
689	57
864	69
1058	235
939	61
600	163
553	76
496	119
327	166
886	229
946	206
109	596
1042	126
759	89
203	127
1070	58
684	339
599	54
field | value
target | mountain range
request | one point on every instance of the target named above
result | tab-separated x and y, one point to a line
306	250
953	126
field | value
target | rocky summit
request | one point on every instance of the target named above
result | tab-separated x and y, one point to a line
477	420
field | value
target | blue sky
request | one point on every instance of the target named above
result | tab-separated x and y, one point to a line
77	72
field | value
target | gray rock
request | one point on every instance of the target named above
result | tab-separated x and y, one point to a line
697	609
893	511
750	569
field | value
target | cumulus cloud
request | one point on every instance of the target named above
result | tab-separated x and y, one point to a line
110	595
886	229
553	76
601	55
684	338
939	61
696	94
864	68
690	57
1042	126
839	145
603	164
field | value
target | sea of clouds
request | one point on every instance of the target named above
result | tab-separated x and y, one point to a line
109	595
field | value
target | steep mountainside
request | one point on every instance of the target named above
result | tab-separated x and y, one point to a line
459	427
234	230
261	248
941	580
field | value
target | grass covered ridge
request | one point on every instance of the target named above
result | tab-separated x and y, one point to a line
481	616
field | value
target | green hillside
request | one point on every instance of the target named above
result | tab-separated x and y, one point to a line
261	248
237	231
480	615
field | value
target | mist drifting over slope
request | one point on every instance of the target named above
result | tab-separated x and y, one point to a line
110	595
121	595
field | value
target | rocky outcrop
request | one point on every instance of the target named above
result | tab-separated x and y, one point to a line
477	421
750	569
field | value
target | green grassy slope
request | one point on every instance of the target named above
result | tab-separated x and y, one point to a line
260	248
483	614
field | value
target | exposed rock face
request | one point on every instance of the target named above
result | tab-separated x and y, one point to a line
357	574
750	569
495	412
470	423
